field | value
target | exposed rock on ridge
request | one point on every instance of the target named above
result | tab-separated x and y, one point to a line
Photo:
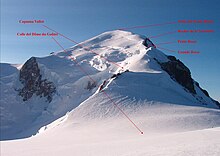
207	94
179	72
148	43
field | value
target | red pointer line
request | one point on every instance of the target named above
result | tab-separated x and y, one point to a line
145	26
166	49
82	46
164	43
172	32
74	61
123	112
86	73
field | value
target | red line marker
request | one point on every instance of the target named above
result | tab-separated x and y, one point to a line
166	49
164	43
145	26
172	32
86	48
86	73
75	61
123	113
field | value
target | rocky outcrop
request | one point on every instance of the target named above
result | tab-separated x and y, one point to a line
217	103
176	69
179	72
148	43
203	90
207	94
33	83
91	85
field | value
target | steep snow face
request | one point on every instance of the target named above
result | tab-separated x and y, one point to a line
97	61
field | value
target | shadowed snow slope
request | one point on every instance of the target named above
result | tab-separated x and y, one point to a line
82	117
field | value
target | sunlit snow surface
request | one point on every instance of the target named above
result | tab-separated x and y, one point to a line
173	121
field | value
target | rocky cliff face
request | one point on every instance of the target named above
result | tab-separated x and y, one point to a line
207	94
179	72
176	69
148	43
33	83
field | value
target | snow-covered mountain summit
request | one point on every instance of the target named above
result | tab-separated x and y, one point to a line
128	67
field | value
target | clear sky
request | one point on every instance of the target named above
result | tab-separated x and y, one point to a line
83	19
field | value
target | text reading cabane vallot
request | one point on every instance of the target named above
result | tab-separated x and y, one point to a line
34	34
31	21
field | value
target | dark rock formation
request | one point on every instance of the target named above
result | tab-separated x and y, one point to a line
32	82
91	85
102	85
207	94
148	43
118	74
115	75
203	90
179	72
216	102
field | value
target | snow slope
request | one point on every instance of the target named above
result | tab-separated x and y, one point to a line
168	131
82	117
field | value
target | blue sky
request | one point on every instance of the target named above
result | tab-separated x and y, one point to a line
83	19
